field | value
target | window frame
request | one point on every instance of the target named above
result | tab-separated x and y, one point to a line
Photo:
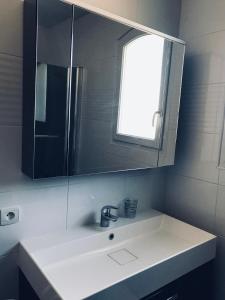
157	142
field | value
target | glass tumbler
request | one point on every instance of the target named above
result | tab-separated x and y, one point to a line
130	206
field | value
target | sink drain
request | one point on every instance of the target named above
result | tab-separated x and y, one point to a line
111	236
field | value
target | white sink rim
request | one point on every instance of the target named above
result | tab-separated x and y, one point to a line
196	238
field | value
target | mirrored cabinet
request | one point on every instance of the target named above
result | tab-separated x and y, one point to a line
99	95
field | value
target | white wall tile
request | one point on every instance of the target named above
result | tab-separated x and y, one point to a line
205	59
10	153
159	18
202	108
11	24
8	277
10	90
222	176
87	195
146	187
197	155
191	200
41	211
201	17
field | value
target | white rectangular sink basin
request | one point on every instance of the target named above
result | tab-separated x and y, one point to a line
148	253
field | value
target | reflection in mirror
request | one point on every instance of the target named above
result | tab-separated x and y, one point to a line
53	62
143	86
119	88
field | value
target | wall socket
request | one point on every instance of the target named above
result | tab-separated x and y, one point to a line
9	215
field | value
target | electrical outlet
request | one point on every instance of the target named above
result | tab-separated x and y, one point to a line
9	216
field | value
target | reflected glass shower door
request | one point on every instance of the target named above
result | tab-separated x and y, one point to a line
52	88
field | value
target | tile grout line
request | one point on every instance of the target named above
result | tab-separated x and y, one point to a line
12	55
42	187
201	35
194	178
191	85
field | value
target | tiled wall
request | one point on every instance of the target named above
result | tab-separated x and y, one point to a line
195	186
54	205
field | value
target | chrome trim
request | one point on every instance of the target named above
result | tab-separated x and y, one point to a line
35	100
69	87
76	120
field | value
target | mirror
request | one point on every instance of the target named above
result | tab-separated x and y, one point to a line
52	71
105	95
121	81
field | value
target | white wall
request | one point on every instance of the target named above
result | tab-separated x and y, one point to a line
44	204
195	186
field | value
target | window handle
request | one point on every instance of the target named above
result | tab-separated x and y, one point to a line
156	113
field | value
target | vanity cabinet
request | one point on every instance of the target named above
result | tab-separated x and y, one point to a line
100	94
195	285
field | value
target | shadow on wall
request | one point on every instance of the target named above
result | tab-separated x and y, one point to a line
201	113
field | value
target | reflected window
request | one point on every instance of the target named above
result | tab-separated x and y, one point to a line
142	89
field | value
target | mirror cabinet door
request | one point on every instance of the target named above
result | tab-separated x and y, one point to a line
167	151
119	96
52	32
98	56
52	83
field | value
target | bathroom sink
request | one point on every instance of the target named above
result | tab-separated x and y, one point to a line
80	264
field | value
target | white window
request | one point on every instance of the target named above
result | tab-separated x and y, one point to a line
143	86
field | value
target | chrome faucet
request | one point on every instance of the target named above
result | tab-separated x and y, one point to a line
106	216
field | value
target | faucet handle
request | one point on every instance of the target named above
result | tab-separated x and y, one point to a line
107	209
106	215
106	212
